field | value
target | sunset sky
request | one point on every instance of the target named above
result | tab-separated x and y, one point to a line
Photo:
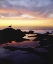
26	13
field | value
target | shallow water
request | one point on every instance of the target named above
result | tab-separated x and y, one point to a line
24	57
21	57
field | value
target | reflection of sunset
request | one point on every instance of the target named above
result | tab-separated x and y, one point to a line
30	38
22	44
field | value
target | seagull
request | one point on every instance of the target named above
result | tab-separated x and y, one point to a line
10	26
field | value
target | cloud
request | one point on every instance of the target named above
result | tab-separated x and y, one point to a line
42	7
25	3
18	15
50	16
26	16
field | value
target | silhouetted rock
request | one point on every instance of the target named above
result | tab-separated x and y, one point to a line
31	32
47	33
6	61
40	37
10	34
19	35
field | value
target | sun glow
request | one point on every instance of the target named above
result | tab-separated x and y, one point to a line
25	22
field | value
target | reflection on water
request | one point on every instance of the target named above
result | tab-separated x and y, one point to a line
20	57
30	38
23	57
23	44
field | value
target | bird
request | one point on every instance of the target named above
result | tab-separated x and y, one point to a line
10	26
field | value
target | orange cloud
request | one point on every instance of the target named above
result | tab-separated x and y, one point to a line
8	11
34	14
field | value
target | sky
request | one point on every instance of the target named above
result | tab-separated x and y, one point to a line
26	13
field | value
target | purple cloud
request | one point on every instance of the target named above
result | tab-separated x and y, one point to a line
42	7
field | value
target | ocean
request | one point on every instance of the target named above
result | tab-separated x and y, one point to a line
40	31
